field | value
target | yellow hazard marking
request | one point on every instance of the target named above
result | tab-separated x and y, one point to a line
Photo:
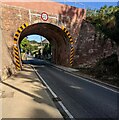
72	49
16	56
63	27
17	33
15	42
23	26
71	40
16	52
17	60
71	56
16	37
20	29
15	47
18	68
68	33
71	53
65	31
26	24
71	62
70	37
17	64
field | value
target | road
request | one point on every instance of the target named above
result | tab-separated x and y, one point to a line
82	98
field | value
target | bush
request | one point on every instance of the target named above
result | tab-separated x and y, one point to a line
107	66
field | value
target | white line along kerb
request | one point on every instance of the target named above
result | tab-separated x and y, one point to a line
54	95
92	82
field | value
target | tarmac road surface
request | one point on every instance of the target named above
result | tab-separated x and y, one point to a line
82	98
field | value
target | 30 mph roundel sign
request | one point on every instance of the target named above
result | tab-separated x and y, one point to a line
44	16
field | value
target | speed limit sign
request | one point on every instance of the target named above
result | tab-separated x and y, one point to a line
44	16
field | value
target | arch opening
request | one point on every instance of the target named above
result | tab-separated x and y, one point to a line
57	38
35	46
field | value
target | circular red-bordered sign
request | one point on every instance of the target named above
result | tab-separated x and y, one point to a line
44	16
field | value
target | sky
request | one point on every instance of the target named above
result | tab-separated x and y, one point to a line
92	5
37	38
89	4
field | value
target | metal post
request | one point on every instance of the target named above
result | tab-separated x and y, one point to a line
30	16
41	40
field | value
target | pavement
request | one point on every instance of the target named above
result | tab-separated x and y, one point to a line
24	96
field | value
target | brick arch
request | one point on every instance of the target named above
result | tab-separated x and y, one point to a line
58	38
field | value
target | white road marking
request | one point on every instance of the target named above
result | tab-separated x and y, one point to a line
92	82
54	95
86	79
58	68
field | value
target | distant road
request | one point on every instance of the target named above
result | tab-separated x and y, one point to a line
82	98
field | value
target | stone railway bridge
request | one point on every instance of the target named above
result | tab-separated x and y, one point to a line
74	40
20	19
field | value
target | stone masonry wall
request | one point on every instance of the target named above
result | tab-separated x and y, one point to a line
16	14
11	20
90	48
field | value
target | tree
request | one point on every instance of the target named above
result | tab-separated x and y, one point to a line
24	45
106	20
47	50
27	47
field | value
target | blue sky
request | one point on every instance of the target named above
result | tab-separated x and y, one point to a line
38	38
92	5
83	4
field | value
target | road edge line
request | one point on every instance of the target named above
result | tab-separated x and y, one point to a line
54	95
93	81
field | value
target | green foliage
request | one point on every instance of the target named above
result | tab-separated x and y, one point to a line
33	42
26	46
106	20
107	66
47	49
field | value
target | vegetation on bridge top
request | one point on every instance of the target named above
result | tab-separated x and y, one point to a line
106	20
